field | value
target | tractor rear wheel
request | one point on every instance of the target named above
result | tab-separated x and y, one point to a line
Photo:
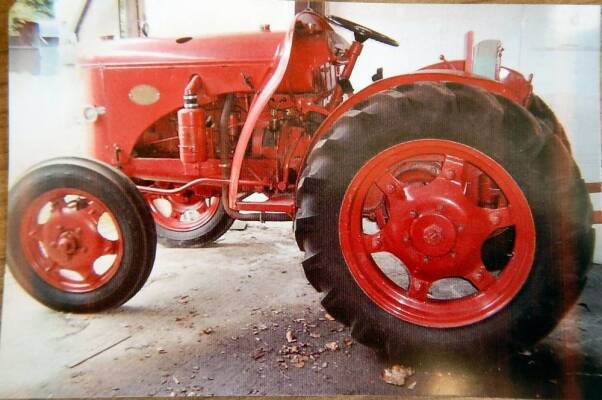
443	217
80	236
188	220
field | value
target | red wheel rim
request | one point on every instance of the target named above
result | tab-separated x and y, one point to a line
71	240
437	228
183	212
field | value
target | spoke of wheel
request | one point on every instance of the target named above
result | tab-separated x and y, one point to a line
379	214
95	210
499	217
391	187
49	265
453	169
481	278
175	214
109	246
88	274
374	243
419	289
58	204
35	233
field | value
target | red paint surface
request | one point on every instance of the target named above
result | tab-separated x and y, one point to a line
437	229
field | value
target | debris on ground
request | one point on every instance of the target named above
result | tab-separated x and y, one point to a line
397	374
161	350
314	334
183	300
347	342
328	317
258	353
299	360
175	380
208	331
332	346
290	337
412	385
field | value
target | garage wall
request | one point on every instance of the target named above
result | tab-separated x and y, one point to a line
559	44
190	17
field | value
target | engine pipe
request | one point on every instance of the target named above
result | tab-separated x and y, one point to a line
224	144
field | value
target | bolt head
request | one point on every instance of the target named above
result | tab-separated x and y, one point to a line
390	188
450	174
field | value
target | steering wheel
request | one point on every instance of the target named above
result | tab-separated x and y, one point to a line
361	32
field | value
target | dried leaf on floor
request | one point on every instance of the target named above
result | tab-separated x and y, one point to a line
332	346
299	360
397	374
258	353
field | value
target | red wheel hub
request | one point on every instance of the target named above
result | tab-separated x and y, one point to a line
436	226
183	212
65	233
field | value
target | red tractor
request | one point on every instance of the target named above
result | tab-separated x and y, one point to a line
457	172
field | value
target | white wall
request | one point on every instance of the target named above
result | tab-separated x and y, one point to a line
191	17
559	44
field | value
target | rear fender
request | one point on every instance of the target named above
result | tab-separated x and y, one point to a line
517	93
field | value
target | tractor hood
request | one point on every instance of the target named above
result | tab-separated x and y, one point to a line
236	48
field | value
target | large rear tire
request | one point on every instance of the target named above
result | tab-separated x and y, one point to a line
80	236
406	141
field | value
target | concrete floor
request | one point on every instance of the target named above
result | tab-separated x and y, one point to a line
249	289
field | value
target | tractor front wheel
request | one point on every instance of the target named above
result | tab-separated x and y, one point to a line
80	236
441	216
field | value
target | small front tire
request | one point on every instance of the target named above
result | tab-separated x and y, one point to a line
80	236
